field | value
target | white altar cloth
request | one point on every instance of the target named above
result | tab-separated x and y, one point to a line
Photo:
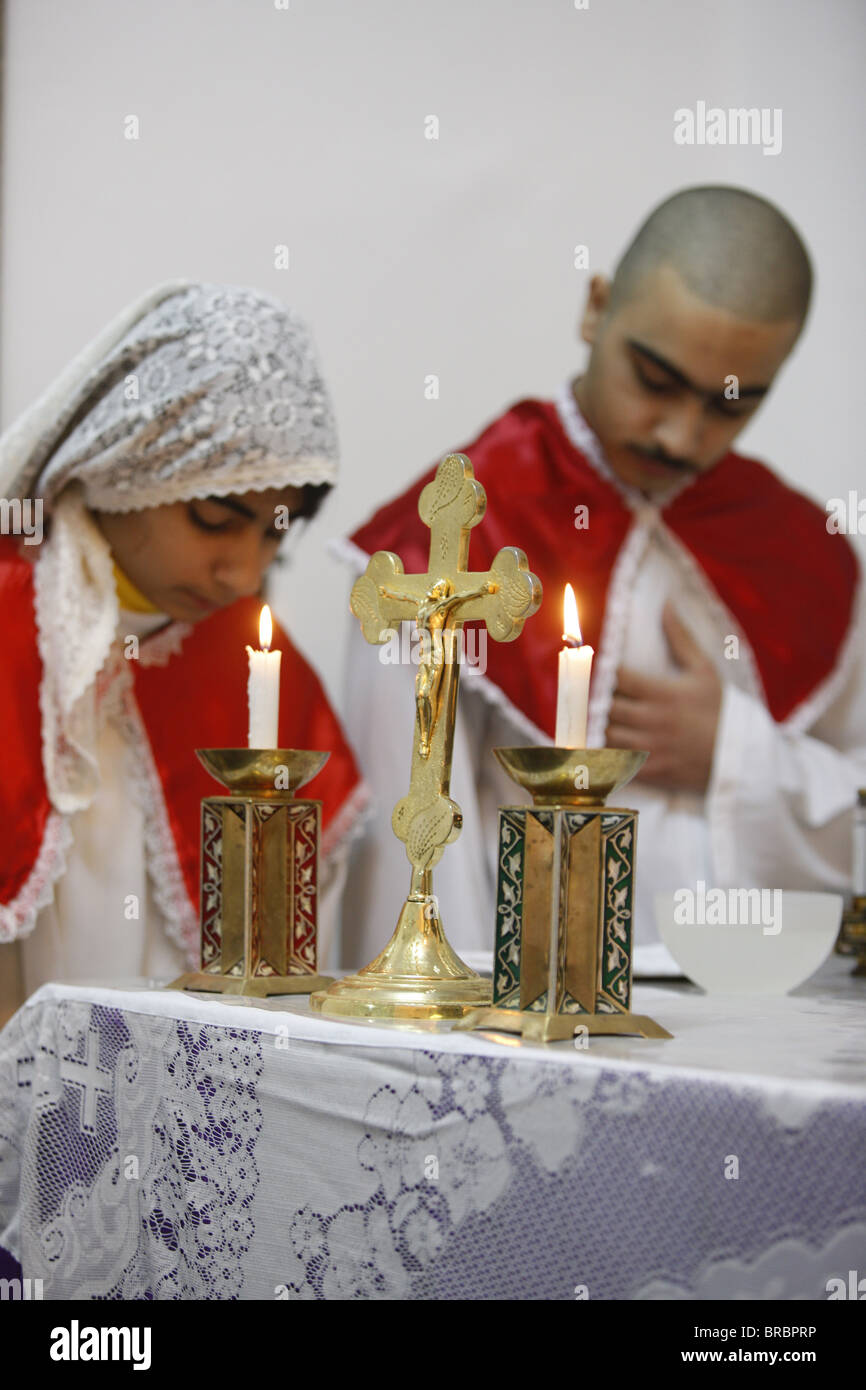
155	1144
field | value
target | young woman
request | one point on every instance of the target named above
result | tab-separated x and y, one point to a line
167	459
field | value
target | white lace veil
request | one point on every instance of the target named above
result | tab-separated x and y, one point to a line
193	390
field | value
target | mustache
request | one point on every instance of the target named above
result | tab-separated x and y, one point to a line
680	465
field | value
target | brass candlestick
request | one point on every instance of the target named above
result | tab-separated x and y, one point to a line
563	953
259	875
418	976
852	933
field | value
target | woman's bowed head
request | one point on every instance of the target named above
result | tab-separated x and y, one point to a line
191	558
170	456
193	431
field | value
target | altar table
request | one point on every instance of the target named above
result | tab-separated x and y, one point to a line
159	1145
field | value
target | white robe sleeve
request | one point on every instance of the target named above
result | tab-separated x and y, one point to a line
104	922
778	811
780	801
330	909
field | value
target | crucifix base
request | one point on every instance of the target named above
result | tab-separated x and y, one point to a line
417	977
250	986
545	1027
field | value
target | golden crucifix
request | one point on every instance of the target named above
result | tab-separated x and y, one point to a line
418	975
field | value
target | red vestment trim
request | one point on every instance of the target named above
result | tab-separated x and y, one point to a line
198	699
763	547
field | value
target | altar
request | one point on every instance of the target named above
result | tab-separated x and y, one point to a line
162	1145
547	1129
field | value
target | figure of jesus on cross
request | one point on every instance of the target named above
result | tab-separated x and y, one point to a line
430	620
418	974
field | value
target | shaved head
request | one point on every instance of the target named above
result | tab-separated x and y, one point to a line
732	249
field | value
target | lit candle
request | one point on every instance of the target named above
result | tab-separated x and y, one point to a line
575	664
263	689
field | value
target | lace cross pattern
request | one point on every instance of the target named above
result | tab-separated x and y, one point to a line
148	1157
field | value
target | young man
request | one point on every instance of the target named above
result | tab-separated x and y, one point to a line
726	619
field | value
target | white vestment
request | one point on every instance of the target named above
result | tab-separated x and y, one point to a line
192	390
107	919
778	810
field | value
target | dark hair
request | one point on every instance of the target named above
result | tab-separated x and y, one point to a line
313	495
733	248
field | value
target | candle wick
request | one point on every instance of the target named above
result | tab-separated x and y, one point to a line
571	641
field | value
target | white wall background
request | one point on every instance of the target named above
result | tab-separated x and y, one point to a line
305	126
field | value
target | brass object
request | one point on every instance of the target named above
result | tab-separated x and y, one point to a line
262	772
852	932
563	951
553	776
259	875
544	1027
418	975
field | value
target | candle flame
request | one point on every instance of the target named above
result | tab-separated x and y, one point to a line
266	629
570	624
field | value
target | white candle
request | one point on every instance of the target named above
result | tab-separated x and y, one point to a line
575	664
263	689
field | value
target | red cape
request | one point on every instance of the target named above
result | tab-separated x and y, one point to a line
763	547
198	699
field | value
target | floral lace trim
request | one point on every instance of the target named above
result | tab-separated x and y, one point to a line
76	617
28	440
229	395
18	918
256	477
783	1270
166	642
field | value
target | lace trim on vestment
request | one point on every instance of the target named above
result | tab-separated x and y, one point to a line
18	918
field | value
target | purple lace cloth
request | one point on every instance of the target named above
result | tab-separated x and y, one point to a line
148	1152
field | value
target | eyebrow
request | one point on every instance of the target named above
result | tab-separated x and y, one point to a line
681	377
234	506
